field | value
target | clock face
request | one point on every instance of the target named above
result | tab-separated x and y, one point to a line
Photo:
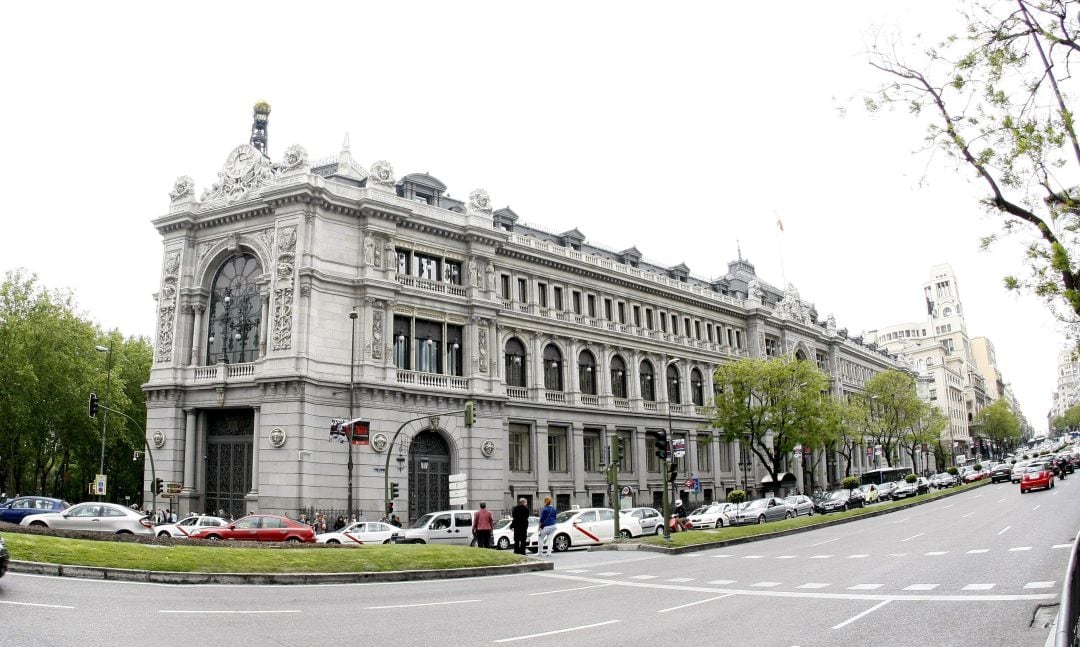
240	161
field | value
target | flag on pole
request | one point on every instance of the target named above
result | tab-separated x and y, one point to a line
779	224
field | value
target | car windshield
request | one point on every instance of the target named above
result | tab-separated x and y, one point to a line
1035	467
422	522
502	523
757	503
839	494
565	515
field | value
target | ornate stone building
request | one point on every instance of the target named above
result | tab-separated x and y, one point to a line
560	343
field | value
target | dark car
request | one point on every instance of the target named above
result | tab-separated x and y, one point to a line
259	527
4	557
15	509
839	500
1001	472
886	490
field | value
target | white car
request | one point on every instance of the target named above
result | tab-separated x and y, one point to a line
502	535
587	527
183	528
713	516
361	532
94	516
652	522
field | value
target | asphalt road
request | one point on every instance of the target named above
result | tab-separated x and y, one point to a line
984	567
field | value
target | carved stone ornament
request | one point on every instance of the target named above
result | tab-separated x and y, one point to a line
382	174
159	439
376	333
182	189
830	323
277	437
379	442
167	307
488	448
791	306
756	293
482	345
296	157
283	298
479	201
246	172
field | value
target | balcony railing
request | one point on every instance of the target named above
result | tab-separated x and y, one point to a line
428	285
517	393
433	380
621	403
590	400
223	371
555	396
649	406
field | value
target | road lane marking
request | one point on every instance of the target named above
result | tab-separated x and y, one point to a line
724	555
901	520
1062	546
977	496
921	587
864	587
422	604
722	582
752	556
977	587
856	617
821	557
1002	531
897	554
936	552
224	611
856	556
557	631
644	577
825	542
948	506
34	604
1053	493
965	516
1019	548
680	579
575	570
914	536
683	606
577	588
812	585
785	557
975	551
1039	585
765	585
1036	507
1001	501
610	573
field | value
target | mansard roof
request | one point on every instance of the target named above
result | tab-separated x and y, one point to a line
423	179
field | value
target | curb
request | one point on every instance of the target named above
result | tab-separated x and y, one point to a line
722	543
169	577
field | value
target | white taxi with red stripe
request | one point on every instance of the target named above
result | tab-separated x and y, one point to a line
359	533
183	528
587	527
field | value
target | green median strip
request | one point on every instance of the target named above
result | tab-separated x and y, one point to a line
697	537
208	559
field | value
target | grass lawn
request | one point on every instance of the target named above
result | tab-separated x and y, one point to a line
376	558
695	537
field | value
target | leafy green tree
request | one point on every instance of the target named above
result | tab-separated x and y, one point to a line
851	432
850	483
997	100
999	423
736	496
925	430
892	410
773	404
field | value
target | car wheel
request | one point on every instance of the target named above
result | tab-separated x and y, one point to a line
213	538
472	544
164	534
292	540
123	532
38	524
719	523
418	541
761	519
504	543
789	515
332	541
625	534
1051	484
561	543
846	508
659	530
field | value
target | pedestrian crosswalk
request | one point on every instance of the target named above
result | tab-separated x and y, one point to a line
929	553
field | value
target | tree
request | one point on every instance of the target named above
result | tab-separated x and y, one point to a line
999	423
850	432
773	404
1069	421
893	408
925	430
996	100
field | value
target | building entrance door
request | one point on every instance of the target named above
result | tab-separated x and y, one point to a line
429	489
229	440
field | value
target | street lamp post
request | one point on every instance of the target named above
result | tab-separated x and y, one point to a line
105	416
352	406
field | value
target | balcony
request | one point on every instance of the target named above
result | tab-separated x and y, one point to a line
222	372
621	403
427	285
590	400
432	380
555	397
517	393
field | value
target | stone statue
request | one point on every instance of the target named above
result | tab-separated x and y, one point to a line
474	276
491	276
369	249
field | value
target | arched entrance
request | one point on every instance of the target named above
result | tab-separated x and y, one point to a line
429	474
229	442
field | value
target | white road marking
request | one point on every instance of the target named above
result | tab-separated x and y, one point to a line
974	551
936	552
252	612
722	582
574	570
1036	507
977	587
914	536
897	554
423	604
752	556
34	604
977	496
680	579
825	542
1062	546
1002	531
723	555
948	506
577	588
765	585
1019	548
965	516
821	557
683	606
856	617
785	557
856	556
864	587
1039	585
610	573
1001	501
557	631
921	587
644	577
1053	493
812	585
901	520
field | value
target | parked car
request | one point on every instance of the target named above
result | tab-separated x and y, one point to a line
94	516
185	527
15	509
839	500
443	527
886	490
761	510
1037	475
1018	470
869	493
583	527
4	557
652	522
713	516
502	535
259	527
943	480
800	504
361	532
1001	472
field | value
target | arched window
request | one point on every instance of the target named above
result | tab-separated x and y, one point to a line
947	312
235	312
587	372
648	393
553	368
673	394
515	363
618	377
697	388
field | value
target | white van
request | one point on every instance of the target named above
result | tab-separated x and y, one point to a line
444	527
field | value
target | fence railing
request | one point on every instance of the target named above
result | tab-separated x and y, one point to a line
1066	634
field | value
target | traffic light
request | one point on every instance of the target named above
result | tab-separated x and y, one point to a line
470	415
93	405
393	490
619	450
674	472
661	445
159	486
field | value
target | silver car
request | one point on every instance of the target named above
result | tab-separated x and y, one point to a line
761	510
94	516
801	504
652	522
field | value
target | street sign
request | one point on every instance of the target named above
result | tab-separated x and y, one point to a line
172	489
100	481
626	490
455	478
459	486
458	500
688	484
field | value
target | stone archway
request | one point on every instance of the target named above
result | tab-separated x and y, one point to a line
429	489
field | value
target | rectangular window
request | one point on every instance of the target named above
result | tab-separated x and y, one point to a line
557	449
541	294
686	327
697	330
523	291
648	318
597	501
627	464
663	321
454	350
738	339
622	312
505	286
608	312
708	332
577	302
402	334
730	337
428	346
426	267
562	502
652	463
403	261
637	316
452	272
557	295
680	463
674	324
704	453
592	306
593	450
772	347
520	459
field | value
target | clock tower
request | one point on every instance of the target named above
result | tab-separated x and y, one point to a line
258	126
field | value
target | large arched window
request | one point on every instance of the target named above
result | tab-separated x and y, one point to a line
648	392
553	368
673	394
515	363
235	312
618	377
587	372
697	388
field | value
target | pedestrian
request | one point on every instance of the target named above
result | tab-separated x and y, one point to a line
547	527
395	521
482	526
303	518
172	517
340	523
519	522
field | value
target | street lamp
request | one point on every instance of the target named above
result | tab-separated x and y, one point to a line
105	416
352	405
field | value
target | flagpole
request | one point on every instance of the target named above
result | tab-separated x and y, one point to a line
779	249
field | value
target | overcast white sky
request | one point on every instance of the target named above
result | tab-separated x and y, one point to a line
676	127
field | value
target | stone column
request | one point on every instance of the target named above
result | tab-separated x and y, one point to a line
196	333
264	319
537	383
256	440
577	446
190	459
641	451
542	487
573	380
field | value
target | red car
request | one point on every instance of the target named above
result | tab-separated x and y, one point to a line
259	527
1037	475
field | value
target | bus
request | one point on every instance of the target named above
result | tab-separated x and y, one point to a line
885	475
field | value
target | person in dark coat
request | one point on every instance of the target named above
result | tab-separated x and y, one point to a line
340	523
519	522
